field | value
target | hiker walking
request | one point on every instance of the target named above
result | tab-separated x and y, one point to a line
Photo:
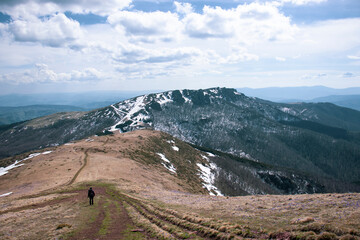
91	195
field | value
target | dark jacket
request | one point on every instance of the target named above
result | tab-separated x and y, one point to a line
91	193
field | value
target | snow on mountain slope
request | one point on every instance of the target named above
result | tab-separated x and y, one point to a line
138	112
216	118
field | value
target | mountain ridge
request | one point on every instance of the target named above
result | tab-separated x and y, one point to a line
248	127
306	93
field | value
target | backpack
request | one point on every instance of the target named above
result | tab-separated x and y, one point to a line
91	193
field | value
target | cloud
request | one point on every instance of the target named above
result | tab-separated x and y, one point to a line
303	2
314	42
238	54
25	9
186	44
248	23
352	57
348	75
331	35
147	26
213	23
131	54
280	59
54	31
314	76
183	8
41	73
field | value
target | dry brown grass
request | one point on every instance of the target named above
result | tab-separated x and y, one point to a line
157	199
34	223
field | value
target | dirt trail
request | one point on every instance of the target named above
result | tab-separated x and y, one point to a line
119	222
111	220
92	228
82	167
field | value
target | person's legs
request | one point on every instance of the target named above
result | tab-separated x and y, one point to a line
91	201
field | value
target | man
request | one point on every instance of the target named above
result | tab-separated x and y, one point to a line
91	195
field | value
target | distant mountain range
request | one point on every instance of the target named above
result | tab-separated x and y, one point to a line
86	100
349	101
348	97
281	94
21	107
319	143
10	115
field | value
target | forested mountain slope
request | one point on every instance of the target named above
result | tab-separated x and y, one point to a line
305	137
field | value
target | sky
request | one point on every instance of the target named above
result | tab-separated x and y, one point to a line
89	45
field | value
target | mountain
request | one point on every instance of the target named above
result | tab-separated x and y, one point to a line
87	100
197	169
348	97
296	94
349	101
10	115
151	185
320	140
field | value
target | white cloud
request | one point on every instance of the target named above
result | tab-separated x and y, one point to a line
147	27
54	31
280	59
130	54
352	57
88	74
26	9
330	36
184	46
183	8
313	42
248	23
238	54
213	23
303	2
42	73
314	76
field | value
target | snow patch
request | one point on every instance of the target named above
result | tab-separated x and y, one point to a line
215	91
186	99
17	163
288	110
162	99
247	156
166	163
175	148
210	154
138	105
304	110
5	170
6	194
208	177
131	110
